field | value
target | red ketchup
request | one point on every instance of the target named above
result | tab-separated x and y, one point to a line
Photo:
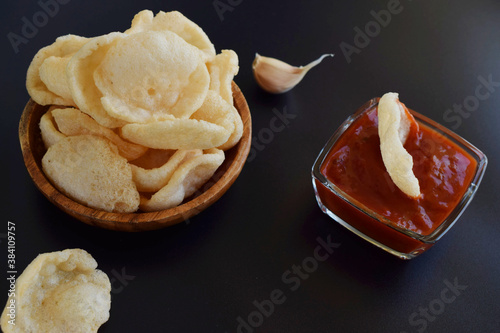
354	164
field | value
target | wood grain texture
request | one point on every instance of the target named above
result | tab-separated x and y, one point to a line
33	151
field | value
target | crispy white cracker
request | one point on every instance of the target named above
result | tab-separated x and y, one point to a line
89	170
60	292
53	73
223	68
237	133
218	111
72	122
209	127
176	134
152	180
185	181
80	75
63	47
49	131
393	129
152	75
176	22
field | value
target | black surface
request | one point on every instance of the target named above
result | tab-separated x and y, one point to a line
203	276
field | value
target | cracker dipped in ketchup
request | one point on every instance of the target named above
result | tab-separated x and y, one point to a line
355	187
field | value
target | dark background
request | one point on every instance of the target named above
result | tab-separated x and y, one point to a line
202	275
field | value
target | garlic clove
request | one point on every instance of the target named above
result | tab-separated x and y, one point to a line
276	76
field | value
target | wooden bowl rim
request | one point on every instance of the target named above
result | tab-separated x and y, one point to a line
139	221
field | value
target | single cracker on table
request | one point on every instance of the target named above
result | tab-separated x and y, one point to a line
59	292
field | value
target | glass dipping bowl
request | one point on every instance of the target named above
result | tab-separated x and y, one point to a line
373	227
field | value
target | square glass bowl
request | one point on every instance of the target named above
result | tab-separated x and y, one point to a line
373	227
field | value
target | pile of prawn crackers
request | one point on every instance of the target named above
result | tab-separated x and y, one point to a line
138	120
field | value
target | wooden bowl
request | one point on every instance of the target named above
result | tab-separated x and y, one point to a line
33	150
